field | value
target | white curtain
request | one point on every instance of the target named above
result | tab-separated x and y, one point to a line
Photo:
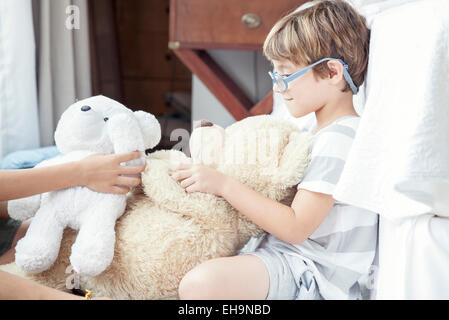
63	59
18	98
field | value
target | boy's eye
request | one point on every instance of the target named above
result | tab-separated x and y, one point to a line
286	75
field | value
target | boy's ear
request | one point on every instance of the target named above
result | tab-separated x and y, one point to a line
336	69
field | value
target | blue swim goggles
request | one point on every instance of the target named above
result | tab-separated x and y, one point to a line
282	82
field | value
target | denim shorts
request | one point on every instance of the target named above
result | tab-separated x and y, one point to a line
8	230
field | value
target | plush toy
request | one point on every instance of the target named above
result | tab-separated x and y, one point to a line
165	232
94	125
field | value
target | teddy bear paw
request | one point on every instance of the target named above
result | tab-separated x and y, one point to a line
89	266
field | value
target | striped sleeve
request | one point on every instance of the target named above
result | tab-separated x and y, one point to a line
329	151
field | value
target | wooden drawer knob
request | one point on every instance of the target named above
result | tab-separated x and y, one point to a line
251	20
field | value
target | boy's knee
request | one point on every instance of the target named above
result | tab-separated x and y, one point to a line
198	284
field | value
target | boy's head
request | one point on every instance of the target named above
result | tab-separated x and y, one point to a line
326	29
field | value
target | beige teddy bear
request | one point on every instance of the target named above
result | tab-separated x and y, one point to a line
165	231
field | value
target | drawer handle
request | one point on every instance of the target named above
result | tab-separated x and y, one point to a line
251	20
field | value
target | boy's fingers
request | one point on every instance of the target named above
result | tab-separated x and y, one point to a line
125	157
181	175
187	182
192	188
182	166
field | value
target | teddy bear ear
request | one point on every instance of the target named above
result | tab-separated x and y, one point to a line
206	144
150	128
202	123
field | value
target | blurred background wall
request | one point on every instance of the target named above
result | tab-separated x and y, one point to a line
55	52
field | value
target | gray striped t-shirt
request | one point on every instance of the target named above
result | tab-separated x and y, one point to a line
342	249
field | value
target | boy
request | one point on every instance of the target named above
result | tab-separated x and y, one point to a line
102	173
317	248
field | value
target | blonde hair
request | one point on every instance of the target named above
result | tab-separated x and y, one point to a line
328	28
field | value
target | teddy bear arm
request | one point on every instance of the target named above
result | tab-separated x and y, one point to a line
167	193
294	160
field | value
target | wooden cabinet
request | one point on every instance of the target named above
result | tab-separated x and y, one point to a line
148	69
199	25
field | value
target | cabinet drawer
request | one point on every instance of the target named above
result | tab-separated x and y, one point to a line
225	24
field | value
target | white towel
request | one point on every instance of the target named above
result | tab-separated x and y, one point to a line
399	162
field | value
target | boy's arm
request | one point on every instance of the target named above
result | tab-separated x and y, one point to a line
291	224
98	172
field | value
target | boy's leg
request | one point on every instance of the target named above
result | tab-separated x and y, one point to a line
238	277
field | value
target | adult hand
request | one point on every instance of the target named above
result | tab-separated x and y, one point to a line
103	173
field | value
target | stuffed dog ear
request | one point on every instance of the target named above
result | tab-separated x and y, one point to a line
150	128
125	133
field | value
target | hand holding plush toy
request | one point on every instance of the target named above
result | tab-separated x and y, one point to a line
166	231
91	126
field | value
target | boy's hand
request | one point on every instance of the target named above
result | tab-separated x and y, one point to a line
199	178
103	173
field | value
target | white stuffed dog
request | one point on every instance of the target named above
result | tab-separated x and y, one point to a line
91	126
